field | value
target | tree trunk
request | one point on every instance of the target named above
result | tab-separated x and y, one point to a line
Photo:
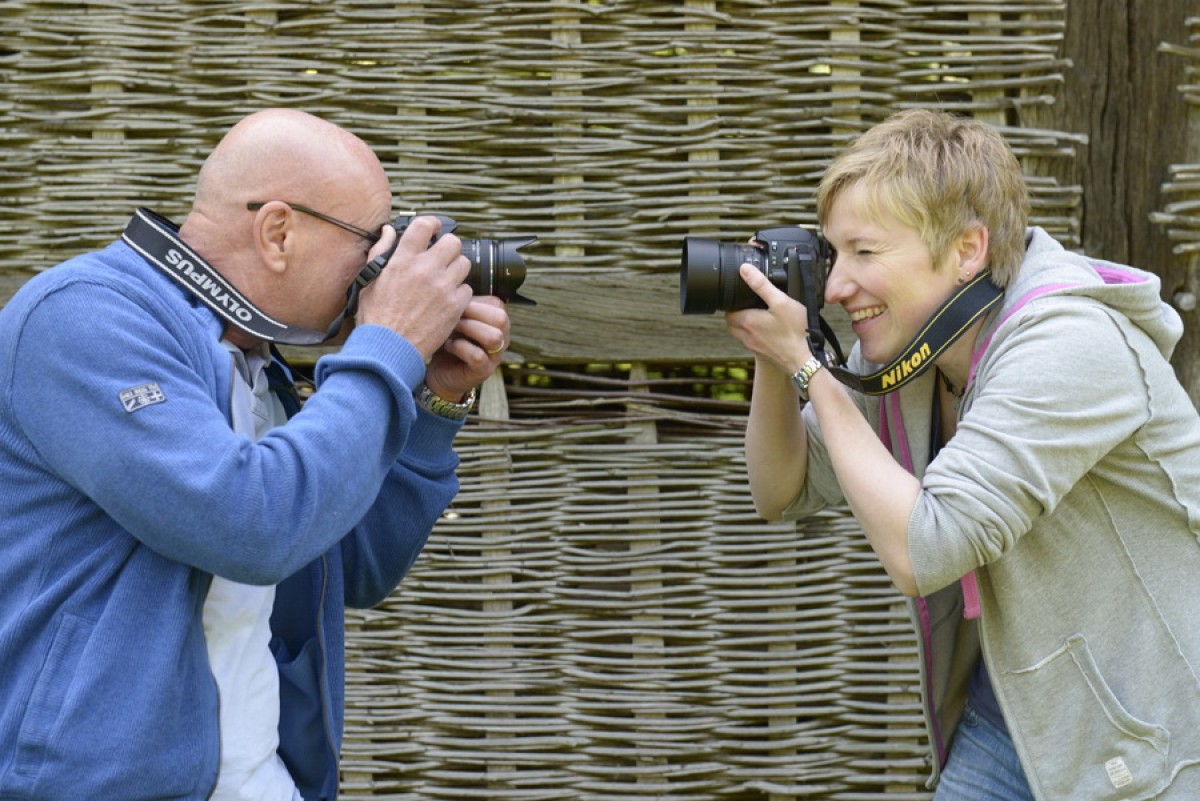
1123	92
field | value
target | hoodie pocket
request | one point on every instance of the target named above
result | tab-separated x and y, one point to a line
49	692
1083	741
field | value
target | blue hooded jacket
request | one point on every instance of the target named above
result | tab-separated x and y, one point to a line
123	490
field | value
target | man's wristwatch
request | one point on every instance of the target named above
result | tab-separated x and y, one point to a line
802	377
429	400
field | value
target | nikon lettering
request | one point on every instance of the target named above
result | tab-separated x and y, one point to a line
205	283
906	367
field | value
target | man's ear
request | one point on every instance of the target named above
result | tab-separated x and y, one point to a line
273	232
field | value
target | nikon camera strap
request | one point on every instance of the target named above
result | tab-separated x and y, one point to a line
157	240
967	305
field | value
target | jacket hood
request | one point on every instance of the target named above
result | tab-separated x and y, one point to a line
1049	268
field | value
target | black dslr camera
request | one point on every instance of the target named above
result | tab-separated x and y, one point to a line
497	267
794	259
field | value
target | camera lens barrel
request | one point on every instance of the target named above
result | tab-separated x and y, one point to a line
700	276
708	270
497	267
709	279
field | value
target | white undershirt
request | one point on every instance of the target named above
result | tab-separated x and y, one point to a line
237	629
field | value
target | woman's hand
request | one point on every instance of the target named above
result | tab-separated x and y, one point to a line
778	333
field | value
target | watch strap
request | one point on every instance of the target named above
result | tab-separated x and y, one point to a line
429	400
802	377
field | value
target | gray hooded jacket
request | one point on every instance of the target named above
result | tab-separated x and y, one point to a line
1072	491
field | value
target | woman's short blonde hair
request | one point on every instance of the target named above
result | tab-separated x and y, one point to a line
940	174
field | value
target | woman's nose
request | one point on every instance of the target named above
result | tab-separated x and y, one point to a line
837	286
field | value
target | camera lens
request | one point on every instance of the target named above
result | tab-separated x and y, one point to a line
708	276
497	267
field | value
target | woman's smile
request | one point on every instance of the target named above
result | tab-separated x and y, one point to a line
865	315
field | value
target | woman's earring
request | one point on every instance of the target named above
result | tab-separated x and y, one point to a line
962	278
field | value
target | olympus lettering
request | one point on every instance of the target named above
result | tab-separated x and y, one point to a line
906	367
205	283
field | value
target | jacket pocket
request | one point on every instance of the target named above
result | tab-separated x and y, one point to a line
303	740
1083	742
49	692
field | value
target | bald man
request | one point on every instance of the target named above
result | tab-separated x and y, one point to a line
178	538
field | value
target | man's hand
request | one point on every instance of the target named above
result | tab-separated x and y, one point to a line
473	352
420	294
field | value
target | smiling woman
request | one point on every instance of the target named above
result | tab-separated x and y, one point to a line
1033	475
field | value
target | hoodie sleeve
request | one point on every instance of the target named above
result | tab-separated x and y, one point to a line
1057	392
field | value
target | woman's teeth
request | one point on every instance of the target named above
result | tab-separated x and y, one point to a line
866	314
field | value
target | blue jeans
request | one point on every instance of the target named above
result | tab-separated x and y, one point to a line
983	765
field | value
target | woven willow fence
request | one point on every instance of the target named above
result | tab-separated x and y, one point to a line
603	616
1181	216
600	615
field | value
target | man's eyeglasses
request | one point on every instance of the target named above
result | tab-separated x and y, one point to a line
370	236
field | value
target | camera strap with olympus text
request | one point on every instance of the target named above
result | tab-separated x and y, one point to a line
967	305
157	240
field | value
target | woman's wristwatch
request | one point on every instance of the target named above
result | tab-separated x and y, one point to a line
802	377
431	402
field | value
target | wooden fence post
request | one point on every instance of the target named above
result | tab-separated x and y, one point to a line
493	405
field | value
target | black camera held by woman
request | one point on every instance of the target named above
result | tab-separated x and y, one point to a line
794	259
497	267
